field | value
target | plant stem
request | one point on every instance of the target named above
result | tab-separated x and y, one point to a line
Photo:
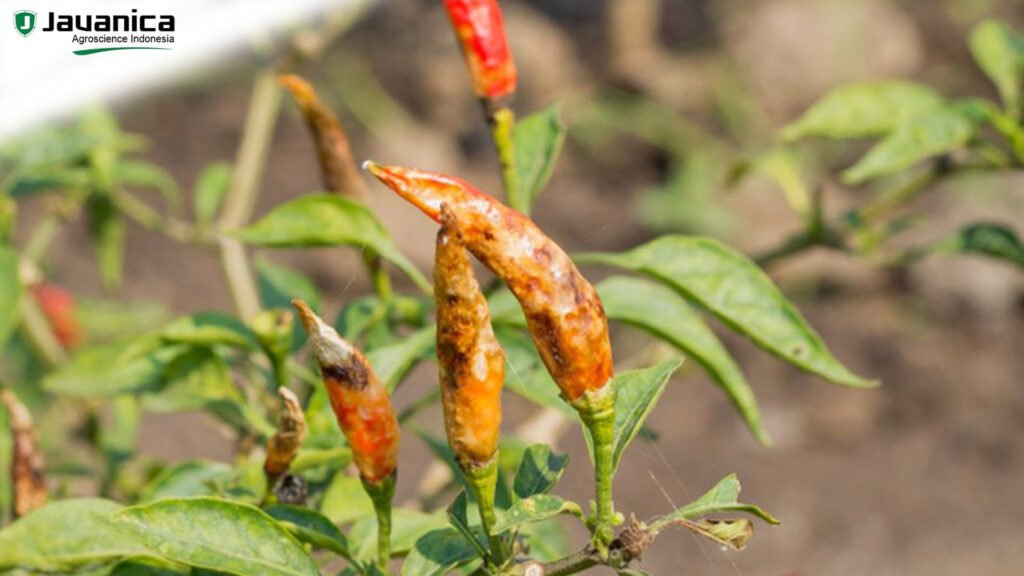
503	122
597	410
149	218
483	480
241	197
573	564
382	493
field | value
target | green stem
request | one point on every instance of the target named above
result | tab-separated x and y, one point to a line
503	122
382	493
241	197
379	275
483	481
147	217
597	410
41	238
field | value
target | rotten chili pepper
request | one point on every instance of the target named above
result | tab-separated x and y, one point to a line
284	445
338	168
564	313
27	473
360	401
480	29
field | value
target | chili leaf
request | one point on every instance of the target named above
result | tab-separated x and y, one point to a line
437	553
534	509
217	535
663	313
938	132
539	471
112	369
142	174
721	498
781	166
538	140
407	526
986	238
327	220
191	478
345	500
280	285
1000	54
393	362
65	535
211	187
311	527
209	329
10	293
735	290
526	375
108	237
863	110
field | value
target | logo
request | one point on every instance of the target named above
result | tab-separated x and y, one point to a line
24	22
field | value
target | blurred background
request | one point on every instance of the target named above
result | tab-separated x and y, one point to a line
919	477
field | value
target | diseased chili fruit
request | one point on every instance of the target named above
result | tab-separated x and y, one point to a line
360	401
58	305
27	474
471	362
480	29
284	445
563	311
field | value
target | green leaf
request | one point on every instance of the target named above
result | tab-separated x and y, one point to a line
534	509
113	369
328	220
781	166
863	110
526	375
217	535
192	381
280	285
407	526
539	471
547	540
393	362
661	312
141	174
734	289
721	498
148	567
345	500
988	239
210	189
191	478
636	393
1000	54
437	553
65	535
107	229
939	132
311	527
538	139
10	293
210	329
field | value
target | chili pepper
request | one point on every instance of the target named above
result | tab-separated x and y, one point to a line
284	445
471	371
340	172
363	408
27	477
563	311
58	305
480	29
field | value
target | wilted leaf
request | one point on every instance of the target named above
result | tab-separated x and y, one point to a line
734	289
10	293
327	220
863	110
1000	54
217	535
539	471
437	553
538	140
534	509
210	189
311	527
938	132
721	498
666	315
66	534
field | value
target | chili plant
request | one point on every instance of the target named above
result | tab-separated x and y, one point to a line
311	487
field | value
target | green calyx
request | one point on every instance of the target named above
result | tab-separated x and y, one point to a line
597	410
483	481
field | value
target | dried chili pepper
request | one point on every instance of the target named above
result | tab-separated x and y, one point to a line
58	305
339	170
563	311
480	29
284	445
27	476
363	408
471	367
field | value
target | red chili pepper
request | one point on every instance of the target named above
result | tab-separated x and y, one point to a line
563	310
284	445
480	29
470	360
339	170
27	476
360	402
58	305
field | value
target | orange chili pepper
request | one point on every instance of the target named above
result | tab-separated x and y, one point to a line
563	311
58	305
284	445
27	476
471	362
339	170
480	28
360	402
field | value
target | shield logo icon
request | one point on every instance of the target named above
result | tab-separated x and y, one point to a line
24	22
